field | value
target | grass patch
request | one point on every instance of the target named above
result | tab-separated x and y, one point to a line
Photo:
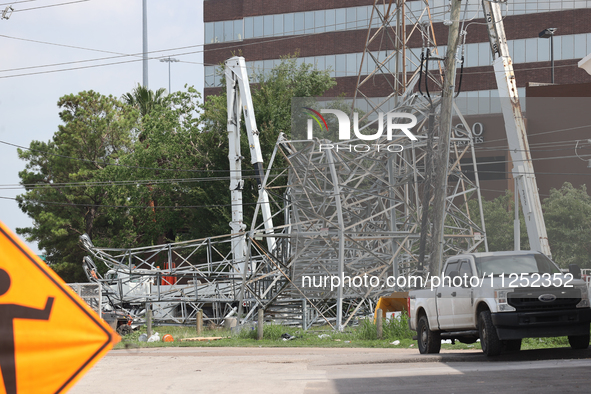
362	336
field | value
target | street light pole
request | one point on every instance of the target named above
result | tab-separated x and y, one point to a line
552	55
549	33
145	42
169	60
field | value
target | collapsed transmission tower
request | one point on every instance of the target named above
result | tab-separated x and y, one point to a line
345	212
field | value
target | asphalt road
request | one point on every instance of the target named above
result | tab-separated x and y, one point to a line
344	370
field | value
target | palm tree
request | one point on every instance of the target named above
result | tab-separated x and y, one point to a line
144	99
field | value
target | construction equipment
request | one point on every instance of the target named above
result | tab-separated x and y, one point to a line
523	169
240	101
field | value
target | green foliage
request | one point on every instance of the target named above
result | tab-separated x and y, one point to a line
499	215
144	99
392	329
97	131
271	332
567	213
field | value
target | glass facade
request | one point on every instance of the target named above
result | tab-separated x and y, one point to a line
355	18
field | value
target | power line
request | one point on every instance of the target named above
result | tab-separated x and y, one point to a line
118	54
108	164
129	206
17	2
51	5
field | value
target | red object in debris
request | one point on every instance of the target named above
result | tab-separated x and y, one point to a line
169	280
168	338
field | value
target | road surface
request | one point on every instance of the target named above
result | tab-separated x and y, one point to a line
340	370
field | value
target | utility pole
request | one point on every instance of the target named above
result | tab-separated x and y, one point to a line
442	156
145	41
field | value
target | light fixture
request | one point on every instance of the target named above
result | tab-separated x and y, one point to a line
549	33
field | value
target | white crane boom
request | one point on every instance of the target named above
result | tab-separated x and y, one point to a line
240	101
523	169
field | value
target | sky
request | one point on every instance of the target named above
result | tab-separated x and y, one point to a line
38	65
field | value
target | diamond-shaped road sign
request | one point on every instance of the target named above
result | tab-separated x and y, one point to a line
49	337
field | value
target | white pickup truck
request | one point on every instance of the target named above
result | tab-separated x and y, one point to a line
500	298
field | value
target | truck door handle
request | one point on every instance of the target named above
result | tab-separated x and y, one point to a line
439	295
453	294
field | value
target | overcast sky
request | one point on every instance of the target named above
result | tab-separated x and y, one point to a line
28	103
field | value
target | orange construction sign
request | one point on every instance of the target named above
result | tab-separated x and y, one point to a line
49	337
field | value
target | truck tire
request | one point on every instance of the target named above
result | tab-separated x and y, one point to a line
513	345
489	340
428	341
579	341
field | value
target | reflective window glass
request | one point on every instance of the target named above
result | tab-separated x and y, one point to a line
341	65
557	47
351	18
543	50
580	46
309	22
351	64
470	56
484	55
376	22
299	23
216	81
209	33
288	24
568	48
209	78
362	18
238	33
451	266
319	24
319	62
228	30
329	20
329	63
258	26
466	269
531	50
268	25
519	51
278	25
267	66
248	28
341	19
219	32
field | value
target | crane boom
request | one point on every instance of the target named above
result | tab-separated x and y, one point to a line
240	101
523	169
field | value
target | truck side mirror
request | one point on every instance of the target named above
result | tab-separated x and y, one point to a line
575	270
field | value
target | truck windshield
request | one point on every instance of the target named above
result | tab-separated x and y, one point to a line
526	264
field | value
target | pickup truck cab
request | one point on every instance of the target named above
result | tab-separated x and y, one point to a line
500	298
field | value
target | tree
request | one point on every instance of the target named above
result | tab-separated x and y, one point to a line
567	213
144	99
167	167
96	132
